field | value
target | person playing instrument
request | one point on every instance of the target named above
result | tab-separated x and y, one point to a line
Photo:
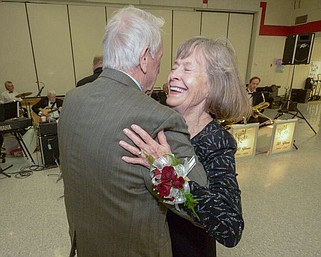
49	106
203	71
256	99
9	95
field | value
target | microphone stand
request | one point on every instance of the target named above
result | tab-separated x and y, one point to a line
39	93
39	89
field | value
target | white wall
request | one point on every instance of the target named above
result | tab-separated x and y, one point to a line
312	8
60	40
279	12
87	23
15	48
269	48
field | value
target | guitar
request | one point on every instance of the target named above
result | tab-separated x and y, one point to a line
45	112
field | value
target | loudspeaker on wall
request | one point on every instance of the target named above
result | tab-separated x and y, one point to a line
298	49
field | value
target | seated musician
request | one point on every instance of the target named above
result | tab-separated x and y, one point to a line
9	94
48	107
257	101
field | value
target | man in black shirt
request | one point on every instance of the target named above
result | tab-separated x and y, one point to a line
97	69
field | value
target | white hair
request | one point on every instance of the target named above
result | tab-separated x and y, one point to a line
127	33
51	93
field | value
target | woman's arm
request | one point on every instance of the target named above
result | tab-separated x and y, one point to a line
219	206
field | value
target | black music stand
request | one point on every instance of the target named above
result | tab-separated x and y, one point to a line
289	107
23	146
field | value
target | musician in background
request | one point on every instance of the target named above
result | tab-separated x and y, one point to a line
49	106
9	95
255	99
161	95
97	69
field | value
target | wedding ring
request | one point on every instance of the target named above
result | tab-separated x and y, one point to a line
139	153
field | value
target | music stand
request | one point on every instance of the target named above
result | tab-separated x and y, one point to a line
286	106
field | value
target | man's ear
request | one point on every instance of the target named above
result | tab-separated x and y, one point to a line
143	58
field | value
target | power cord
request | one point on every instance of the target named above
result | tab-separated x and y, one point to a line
27	171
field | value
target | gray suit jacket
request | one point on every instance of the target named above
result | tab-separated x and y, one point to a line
110	209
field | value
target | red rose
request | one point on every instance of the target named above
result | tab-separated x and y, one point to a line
164	189
178	182
157	172
167	173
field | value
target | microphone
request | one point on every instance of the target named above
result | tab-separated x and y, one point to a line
39	93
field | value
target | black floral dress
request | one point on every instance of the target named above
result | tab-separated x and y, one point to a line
219	205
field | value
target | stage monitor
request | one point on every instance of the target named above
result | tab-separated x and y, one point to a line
9	110
298	49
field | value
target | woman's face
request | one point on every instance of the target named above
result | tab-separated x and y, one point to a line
188	85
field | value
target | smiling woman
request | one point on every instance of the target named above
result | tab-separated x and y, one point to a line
204	84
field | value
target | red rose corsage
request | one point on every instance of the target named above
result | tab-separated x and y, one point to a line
168	177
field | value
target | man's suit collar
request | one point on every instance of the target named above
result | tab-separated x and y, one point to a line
118	76
98	70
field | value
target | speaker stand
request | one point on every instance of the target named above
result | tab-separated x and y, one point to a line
285	107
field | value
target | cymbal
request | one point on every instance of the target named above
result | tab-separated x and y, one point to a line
23	94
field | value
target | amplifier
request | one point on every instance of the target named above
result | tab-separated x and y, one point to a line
49	144
300	95
49	150
46	129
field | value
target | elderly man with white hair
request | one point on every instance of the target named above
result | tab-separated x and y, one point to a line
49	106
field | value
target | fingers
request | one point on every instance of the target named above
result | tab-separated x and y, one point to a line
135	138
140	159
143	134
134	160
163	141
132	149
149	145
145	143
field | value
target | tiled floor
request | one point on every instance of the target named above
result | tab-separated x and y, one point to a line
280	195
33	221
